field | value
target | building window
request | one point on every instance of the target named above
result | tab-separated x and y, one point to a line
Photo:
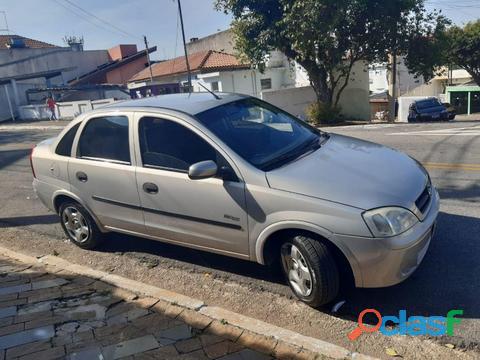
214	86
266	84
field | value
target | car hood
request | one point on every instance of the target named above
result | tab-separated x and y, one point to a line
353	172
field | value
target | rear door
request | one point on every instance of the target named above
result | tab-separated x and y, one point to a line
206	214
102	172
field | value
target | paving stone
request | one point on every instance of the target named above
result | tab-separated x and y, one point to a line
46	295
27	349
33	316
6	321
208	339
87	354
49	354
83	336
165	352
130	347
90	325
10	329
246	354
155	322
127	316
77	292
37	307
45	321
8	303
189	345
196	355
67	328
8	311
85	312
26	336
15	289
119	308
108	330
62	340
176	333
43	284
221	349
8	297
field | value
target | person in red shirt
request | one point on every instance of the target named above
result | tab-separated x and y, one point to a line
51	104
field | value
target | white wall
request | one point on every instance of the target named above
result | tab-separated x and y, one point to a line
378	79
14	62
65	110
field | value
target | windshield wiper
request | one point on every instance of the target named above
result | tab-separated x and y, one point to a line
292	155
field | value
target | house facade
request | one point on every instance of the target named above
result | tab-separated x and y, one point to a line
283	82
31	69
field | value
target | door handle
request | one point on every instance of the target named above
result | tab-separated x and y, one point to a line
150	188
81	176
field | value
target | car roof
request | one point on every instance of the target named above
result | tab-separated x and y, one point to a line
192	103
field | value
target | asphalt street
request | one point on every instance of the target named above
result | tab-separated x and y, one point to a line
449	277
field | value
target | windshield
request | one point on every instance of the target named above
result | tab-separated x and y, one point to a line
425	104
262	134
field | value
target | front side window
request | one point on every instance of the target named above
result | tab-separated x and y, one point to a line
168	145
64	146
105	138
262	134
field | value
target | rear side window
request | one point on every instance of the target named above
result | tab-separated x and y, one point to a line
64	147
169	145
105	138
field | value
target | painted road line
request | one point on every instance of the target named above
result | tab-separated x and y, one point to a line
452	166
464	131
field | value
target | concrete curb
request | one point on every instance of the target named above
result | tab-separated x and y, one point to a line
249	332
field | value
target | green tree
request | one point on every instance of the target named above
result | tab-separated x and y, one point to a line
327	37
464	48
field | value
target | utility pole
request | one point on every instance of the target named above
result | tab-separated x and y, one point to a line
185	47
148	57
392	87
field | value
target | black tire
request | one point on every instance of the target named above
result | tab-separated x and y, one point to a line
322	266
94	237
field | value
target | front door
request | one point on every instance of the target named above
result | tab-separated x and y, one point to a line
102	175
206	214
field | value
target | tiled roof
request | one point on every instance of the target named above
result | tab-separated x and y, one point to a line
199	62
29	43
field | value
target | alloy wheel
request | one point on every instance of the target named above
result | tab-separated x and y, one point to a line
76	224
297	270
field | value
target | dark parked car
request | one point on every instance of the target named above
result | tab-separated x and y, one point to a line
452	111
427	110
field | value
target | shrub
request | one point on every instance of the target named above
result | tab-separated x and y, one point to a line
319	113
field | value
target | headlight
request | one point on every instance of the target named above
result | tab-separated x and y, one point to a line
389	221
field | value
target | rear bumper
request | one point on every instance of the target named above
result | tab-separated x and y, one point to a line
389	261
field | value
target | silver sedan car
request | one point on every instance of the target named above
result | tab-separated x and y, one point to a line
234	175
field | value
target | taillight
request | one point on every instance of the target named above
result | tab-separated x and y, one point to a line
31	162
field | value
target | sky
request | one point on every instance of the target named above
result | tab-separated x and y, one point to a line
51	20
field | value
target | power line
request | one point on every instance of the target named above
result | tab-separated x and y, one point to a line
102	20
82	16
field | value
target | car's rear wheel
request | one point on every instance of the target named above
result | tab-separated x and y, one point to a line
310	269
79	225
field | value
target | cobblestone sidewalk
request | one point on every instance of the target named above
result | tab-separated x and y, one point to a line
51	314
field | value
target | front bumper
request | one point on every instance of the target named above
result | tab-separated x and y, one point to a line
384	262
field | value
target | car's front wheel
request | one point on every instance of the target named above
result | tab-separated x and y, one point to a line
79	225
310	269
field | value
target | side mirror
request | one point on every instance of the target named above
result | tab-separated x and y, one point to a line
202	170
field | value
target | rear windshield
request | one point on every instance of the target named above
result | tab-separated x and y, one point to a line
425	104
